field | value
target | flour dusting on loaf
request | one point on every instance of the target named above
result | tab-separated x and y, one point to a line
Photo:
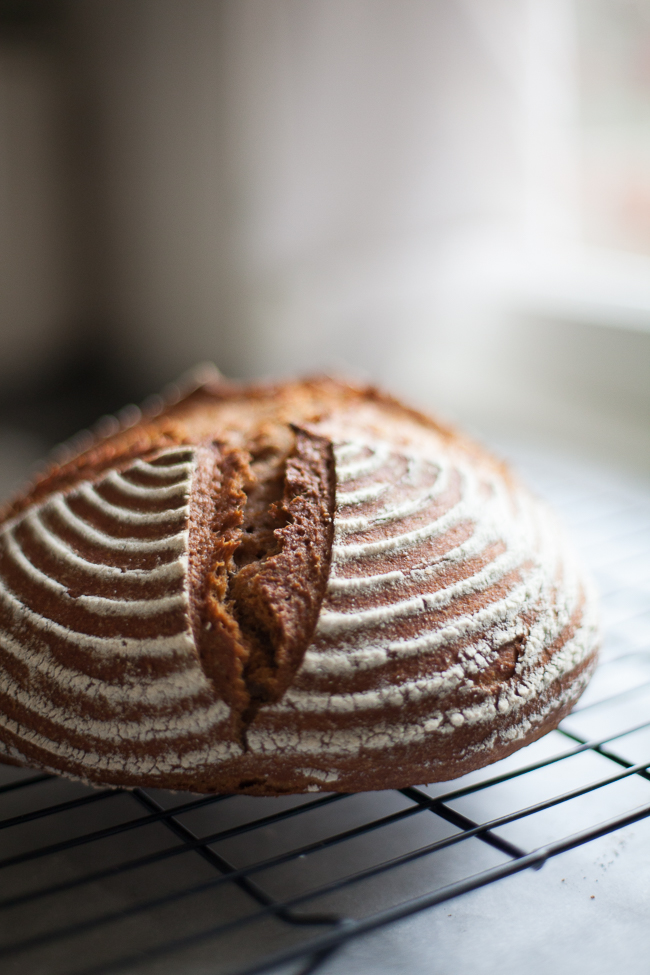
292	588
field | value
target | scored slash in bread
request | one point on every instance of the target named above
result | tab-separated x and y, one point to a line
284	588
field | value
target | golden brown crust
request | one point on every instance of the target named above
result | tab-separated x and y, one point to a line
237	409
290	587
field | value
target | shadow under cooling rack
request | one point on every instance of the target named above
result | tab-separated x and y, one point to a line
152	882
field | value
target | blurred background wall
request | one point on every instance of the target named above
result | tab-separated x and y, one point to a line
451	197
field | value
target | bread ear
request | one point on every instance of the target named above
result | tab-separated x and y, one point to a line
260	556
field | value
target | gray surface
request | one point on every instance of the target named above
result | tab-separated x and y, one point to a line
586	910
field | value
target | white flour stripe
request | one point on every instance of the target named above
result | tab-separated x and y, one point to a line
332	623
158	606
491	521
173	457
372	656
101	605
345	499
147	690
172	762
168	572
470	548
397	543
179	489
528	682
354	584
176	542
396	696
157	727
126	515
352	471
383	735
161	473
160	646
387	515
348	449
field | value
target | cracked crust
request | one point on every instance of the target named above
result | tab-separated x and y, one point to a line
289	588
261	529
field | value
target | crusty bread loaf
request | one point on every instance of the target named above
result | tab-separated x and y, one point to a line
284	588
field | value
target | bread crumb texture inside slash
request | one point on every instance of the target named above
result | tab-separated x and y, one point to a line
260	543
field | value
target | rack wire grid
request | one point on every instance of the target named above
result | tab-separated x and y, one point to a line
144	881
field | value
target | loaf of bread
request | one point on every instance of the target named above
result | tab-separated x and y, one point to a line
285	588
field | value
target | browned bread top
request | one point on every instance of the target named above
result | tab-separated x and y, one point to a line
281	588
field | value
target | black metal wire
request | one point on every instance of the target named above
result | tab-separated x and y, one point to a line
187	845
98	834
296	911
424	802
59	808
34	780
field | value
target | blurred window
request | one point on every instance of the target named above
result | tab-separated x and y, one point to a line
614	86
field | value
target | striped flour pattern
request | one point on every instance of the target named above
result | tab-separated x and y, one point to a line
98	667
448	589
454	626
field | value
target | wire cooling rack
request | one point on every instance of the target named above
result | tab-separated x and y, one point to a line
105	881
